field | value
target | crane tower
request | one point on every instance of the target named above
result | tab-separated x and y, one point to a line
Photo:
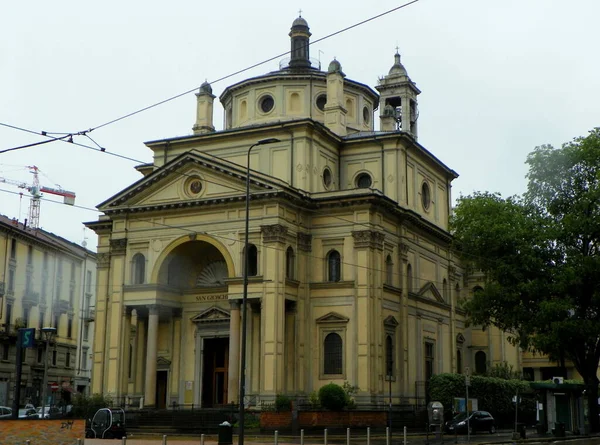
36	191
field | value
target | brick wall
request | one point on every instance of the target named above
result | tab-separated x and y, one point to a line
323	419
40	432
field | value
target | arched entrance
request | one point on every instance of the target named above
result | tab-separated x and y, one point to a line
192	273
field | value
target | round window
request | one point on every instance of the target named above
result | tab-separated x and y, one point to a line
267	103
195	186
366	115
364	181
327	178
321	101
425	195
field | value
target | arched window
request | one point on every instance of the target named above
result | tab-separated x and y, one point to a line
334	266
290	267
389	356
480	362
459	361
252	260
139	269
477	289
389	271
332	349
409	279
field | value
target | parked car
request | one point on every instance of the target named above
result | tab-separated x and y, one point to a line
28	413
50	412
107	423
477	421
5	412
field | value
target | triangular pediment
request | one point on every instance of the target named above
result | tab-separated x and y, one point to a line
390	321
460	339
430	292
333	317
212	315
161	361
170	185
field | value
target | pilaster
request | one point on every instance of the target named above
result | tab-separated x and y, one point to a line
234	352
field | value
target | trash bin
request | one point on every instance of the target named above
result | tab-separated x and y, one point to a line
225	434
559	429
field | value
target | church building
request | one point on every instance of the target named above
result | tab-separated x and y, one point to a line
351	276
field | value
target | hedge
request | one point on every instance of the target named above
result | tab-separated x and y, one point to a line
493	394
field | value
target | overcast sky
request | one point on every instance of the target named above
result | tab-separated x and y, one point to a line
498	78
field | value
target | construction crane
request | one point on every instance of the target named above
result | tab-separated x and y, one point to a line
36	191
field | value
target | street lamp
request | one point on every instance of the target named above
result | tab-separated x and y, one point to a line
245	294
48	335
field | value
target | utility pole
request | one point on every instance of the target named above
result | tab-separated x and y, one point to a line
467	384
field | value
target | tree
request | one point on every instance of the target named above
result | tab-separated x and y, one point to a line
540	258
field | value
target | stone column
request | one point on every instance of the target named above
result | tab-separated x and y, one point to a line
233	388
403	249
176	385
151	355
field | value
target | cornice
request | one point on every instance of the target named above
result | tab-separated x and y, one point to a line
332	285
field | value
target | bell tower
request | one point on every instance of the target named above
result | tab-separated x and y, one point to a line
398	98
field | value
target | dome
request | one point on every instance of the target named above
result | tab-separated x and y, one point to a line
205	88
398	68
334	67
299	22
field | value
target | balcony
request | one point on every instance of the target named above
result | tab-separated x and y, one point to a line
31	298
89	314
8	330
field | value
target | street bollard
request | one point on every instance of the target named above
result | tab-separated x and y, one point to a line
27	442
347	436
124	440
387	435
276	437
368	436
302	437
404	435
201	439
78	441
164	442
325	438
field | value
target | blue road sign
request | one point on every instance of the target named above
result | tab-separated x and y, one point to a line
27	337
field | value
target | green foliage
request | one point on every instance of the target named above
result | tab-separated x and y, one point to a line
85	407
350	390
313	399
332	397
283	403
504	371
540	255
493	394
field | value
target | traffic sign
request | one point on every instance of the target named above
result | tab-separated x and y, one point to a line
54	386
27	337
467	381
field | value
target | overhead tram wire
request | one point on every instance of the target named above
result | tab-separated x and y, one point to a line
270	59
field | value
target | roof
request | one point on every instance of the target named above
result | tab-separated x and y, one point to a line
41	236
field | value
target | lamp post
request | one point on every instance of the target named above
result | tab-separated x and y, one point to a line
48	334
245	293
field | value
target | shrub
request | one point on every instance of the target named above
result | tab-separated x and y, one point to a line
313	399
350	390
282	403
492	394
332	397
85	407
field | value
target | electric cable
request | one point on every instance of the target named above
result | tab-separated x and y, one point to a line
270	59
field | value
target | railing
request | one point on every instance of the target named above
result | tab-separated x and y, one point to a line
89	314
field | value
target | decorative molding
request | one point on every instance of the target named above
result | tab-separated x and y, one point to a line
212	315
430	287
368	239
118	246
390	322
403	249
163	363
275	233
460	339
235	305
103	260
304	242
452	272
332	317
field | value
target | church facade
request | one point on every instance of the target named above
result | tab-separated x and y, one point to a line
351	276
